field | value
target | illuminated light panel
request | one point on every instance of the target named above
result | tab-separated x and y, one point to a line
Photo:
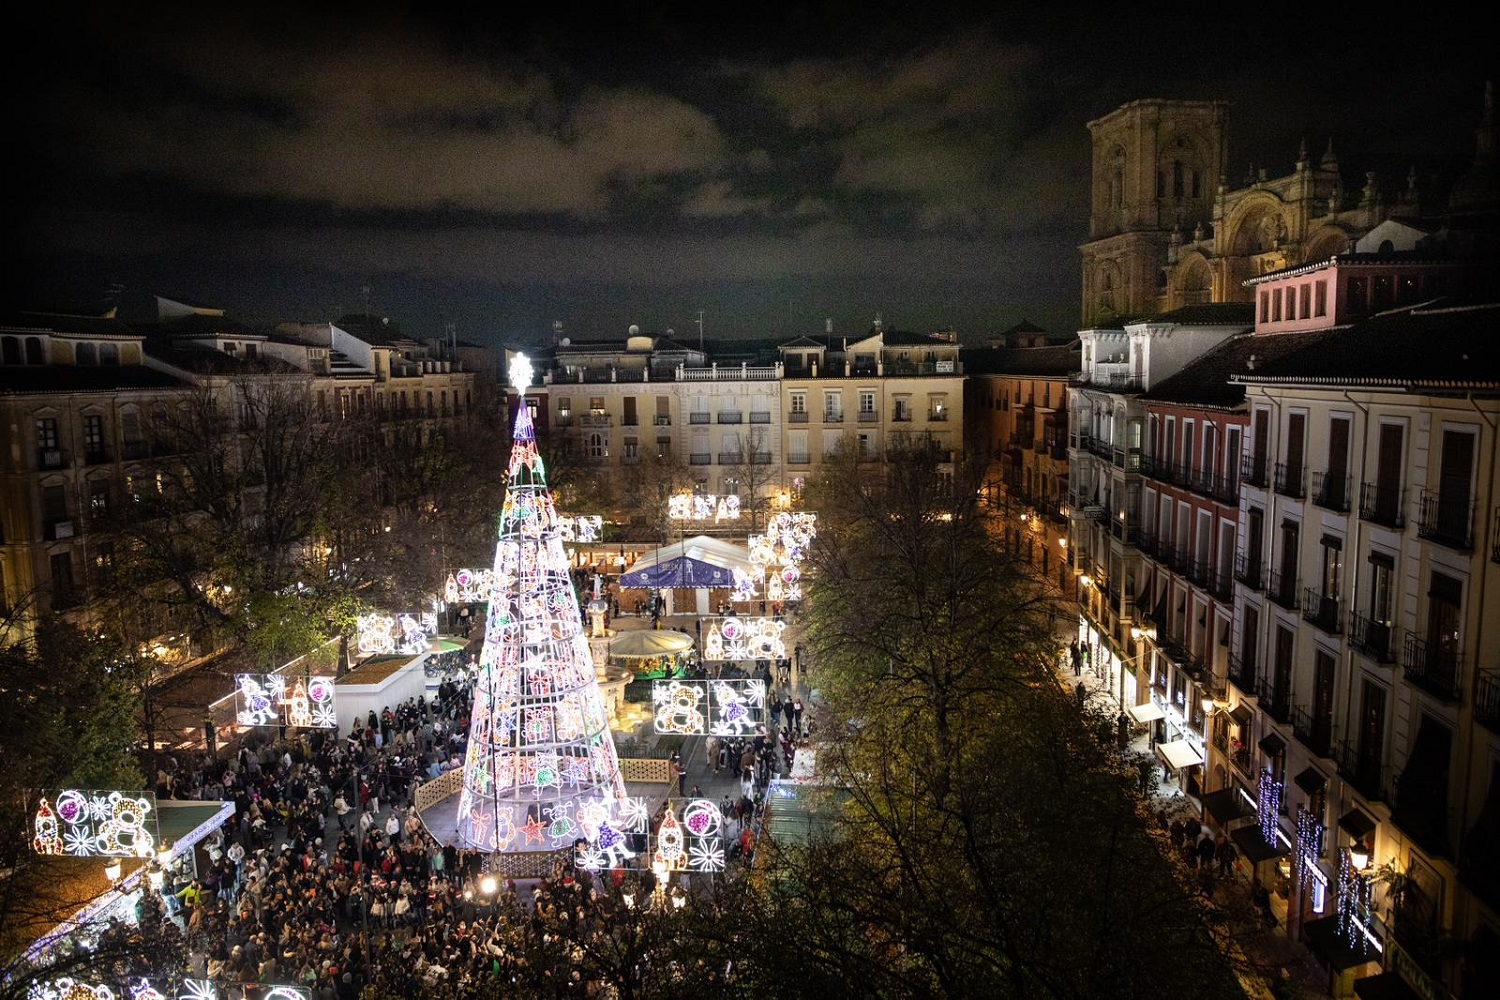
274	700
703	507
717	707
407	633
96	824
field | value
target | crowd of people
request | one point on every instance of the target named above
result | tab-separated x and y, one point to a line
326	878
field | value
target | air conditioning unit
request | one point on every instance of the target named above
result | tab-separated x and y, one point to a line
62	529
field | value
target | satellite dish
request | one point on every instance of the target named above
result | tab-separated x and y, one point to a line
634	330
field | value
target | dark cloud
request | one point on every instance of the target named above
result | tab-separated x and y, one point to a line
513	169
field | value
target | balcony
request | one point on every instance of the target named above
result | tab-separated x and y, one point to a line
1314	731
59	529
698	458
1253	470
1283	591
731	417
52	458
1370	638
833	416
133	450
868	417
1434	670
1362	770
936	416
1323	611
732	458
1249	572
1242	674
662	420
798	458
1291	480
1243	761
760	416
1447	520
97	456
1487	700
595	420
760	458
1221	584
1275	701
1382	505
1331	492
902	416
699	418
1197	570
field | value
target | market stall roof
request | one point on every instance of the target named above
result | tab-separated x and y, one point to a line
1148	712
1179	754
694	562
649	642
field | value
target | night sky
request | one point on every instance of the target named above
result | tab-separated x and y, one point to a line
773	168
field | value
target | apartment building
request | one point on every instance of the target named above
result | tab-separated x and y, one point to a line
1369	483
1016	410
753	418
86	390
1107	448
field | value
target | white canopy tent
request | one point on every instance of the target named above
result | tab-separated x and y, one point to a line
698	563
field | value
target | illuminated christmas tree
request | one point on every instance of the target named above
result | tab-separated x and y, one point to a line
541	763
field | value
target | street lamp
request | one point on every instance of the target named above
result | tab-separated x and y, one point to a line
1359	857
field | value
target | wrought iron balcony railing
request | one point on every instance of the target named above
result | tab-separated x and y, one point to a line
1331	492
1432	668
1323	611
1447	520
1370	637
1382	505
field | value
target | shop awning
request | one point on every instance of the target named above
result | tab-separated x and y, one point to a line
642	643
695	562
1272	744
1179	754
1148	712
1386	986
1357	824
1333	948
1253	846
1241	714
1226	805
1310	780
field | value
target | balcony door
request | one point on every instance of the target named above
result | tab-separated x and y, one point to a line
1388	474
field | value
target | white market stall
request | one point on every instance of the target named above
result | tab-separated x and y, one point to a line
378	683
699	564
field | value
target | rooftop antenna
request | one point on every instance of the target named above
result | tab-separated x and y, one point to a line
700	329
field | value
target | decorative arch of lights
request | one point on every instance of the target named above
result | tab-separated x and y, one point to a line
541	771
274	700
96	824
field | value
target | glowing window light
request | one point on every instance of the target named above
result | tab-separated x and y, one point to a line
110	824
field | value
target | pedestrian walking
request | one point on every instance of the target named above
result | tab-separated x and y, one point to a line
681	779
1076	655
797	717
776	713
1227	854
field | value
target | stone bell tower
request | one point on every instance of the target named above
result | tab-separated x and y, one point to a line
1156	171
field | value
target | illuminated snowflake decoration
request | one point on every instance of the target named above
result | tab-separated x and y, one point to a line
703	507
706	856
198	989
274	700
69	989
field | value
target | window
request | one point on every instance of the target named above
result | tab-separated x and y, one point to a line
866	401
598	446
1320	298
93	434
629	418
61	565
833	406
596	406
632	449
46	434
98	498
799	402
252	350
1306	309
1265	307
10	350
564	409
86	354
937	406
